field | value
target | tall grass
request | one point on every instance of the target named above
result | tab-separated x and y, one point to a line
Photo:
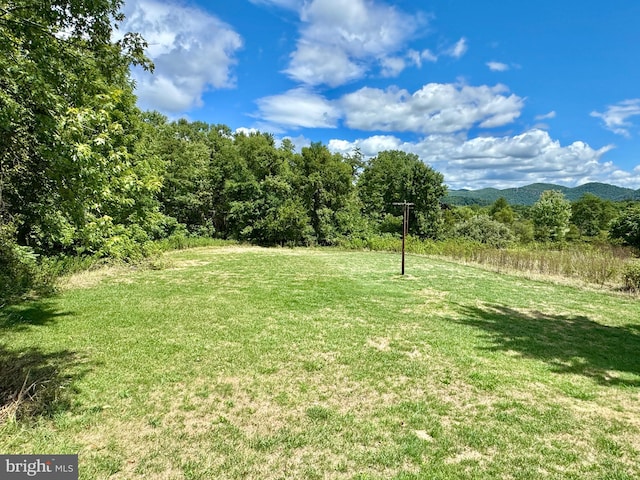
594	264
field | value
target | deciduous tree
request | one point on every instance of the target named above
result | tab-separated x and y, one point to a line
395	176
591	214
66	112
627	226
550	215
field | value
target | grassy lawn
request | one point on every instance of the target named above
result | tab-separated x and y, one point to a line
238	362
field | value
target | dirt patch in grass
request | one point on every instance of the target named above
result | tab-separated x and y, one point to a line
423	435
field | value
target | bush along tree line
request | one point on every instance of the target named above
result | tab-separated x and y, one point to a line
83	172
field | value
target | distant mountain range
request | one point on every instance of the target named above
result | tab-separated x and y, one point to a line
529	194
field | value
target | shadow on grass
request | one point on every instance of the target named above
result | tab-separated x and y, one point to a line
570	344
34	313
36	383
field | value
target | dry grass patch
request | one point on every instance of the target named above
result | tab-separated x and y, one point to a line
381	344
470	455
92	278
182	264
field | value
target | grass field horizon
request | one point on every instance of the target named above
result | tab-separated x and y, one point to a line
245	362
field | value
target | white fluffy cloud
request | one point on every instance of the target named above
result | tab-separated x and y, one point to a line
616	117
501	162
341	41
298	108
316	63
435	108
368	146
392	66
193	51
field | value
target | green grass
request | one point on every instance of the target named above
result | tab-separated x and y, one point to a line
240	362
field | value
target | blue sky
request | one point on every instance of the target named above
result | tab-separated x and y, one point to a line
491	94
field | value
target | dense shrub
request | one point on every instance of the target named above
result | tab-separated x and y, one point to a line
18	265
386	242
631	277
627	227
484	229
523	231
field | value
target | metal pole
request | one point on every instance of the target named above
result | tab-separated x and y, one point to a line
405	226
405	212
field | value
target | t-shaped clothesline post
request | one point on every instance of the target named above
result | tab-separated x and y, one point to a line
405	225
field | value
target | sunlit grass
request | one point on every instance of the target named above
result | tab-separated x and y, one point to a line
240	362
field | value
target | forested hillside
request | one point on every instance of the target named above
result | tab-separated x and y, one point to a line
529	194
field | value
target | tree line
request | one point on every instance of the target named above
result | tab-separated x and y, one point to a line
244	187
